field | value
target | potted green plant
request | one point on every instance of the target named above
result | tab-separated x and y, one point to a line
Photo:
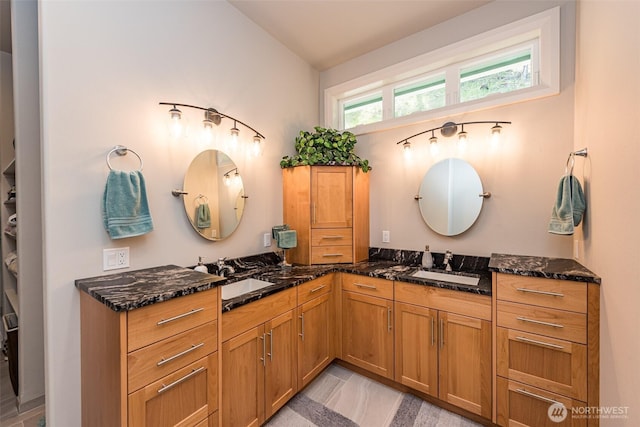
325	147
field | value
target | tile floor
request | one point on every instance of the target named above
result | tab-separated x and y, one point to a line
9	416
340	397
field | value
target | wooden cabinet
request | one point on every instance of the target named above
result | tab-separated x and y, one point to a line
152	366
316	317
259	372
441	352
367	323
547	342
328	206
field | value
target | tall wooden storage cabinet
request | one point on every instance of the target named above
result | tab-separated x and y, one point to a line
328	206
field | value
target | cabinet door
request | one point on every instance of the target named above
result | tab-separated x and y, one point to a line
465	362
367	328
185	397
417	347
280	374
331	196
243	362
314	340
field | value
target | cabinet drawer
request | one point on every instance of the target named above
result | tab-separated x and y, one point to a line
159	359
184	397
522	405
331	254
315	288
554	365
331	237
552	293
373	286
156	322
564	325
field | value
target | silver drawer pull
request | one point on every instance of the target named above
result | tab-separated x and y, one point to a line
540	322
317	289
536	396
362	285
178	381
179	316
182	353
546	344
332	237
331	255
534	291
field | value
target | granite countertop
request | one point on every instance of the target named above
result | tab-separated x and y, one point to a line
536	266
138	288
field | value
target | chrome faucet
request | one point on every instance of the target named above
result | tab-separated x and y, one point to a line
222	267
448	256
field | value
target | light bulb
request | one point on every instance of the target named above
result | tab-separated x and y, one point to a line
257	146
227	180
175	123
236	178
434	149
496	135
234	137
207	130
406	149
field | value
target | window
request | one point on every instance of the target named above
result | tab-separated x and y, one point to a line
516	62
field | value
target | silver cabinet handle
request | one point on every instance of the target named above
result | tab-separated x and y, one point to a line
317	289
263	359
389	319
270	354
441	333
332	237
179	316
182	353
362	285
536	396
540	322
433	332
542	343
331	255
178	381
301	326
534	291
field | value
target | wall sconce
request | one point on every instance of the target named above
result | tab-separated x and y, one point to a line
231	178
449	129
211	117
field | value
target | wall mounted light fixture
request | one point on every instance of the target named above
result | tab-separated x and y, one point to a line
449	129
211	117
232	176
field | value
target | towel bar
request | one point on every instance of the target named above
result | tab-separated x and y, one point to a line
121	150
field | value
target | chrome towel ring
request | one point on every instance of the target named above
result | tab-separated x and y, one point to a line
121	150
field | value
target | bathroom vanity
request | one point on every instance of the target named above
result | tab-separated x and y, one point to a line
502	351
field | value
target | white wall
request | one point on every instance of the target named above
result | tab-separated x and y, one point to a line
608	92
522	175
105	66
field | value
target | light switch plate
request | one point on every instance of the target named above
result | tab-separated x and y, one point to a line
266	240
386	238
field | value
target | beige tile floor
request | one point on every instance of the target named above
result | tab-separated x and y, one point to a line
340	397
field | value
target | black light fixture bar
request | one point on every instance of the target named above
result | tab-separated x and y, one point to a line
214	112
450	128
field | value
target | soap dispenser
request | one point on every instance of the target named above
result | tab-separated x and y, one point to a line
427	258
201	267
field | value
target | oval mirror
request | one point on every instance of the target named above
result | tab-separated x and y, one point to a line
215	198
450	197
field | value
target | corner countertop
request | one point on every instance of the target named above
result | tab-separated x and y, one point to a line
138	288
536	266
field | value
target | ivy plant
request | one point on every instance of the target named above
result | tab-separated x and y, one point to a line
325	147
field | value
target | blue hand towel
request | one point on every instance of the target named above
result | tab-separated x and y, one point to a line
569	207
287	239
125	209
203	216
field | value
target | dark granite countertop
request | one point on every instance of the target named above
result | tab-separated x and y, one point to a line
536	266
134	289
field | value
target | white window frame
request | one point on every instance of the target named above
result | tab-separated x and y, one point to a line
542	30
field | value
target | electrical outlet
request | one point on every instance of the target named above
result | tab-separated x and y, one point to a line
386	238
113	259
266	240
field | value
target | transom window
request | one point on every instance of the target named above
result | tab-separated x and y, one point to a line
516	62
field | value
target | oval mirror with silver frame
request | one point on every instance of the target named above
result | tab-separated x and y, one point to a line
213	195
451	196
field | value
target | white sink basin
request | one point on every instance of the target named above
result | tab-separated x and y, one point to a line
444	277
244	286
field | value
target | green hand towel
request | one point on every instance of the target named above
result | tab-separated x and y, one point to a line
287	239
203	216
569	207
125	210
